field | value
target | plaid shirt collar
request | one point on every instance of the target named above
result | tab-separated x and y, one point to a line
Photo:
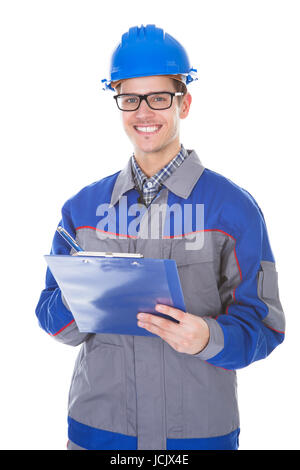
149	187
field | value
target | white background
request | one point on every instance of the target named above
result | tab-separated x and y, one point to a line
60	132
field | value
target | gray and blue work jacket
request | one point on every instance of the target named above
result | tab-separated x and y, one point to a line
137	392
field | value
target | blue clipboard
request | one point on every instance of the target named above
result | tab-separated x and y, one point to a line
105	294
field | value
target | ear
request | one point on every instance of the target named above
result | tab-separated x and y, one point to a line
185	105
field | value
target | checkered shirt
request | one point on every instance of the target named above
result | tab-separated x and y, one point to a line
149	187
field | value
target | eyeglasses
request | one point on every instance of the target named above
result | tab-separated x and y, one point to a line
158	100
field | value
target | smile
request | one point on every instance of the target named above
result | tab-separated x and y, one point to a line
149	130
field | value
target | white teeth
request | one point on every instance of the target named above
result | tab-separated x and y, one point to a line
147	129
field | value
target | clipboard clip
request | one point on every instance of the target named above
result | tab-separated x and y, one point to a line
108	254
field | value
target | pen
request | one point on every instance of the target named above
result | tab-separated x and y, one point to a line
68	238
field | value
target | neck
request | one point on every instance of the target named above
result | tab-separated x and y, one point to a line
151	162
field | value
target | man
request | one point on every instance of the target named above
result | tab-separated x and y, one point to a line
177	389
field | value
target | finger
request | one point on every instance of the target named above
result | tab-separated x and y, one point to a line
163	323
165	334
171	311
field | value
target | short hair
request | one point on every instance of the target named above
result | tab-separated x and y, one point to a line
178	85
181	87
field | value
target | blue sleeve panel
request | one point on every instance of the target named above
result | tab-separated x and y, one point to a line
52	310
248	318
53	315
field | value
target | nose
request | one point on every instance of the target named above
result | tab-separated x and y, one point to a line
144	109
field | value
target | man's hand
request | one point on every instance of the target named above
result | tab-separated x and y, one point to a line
189	336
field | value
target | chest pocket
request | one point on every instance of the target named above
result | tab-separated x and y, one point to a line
197	273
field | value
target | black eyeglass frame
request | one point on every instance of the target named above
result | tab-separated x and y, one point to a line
145	97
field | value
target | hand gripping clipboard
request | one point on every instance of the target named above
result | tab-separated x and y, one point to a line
105	291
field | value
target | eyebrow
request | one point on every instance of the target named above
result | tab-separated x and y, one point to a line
149	92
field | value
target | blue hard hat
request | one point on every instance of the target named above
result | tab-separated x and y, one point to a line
147	51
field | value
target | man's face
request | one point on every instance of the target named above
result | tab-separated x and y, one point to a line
166	122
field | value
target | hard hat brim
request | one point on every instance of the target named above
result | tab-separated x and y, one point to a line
178	77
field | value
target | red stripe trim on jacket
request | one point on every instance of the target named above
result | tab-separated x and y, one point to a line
59	331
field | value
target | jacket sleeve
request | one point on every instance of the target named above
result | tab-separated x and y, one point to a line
252	322
52	310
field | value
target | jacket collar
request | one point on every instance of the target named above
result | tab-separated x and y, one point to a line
181	182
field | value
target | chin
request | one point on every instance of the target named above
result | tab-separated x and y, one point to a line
151	147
